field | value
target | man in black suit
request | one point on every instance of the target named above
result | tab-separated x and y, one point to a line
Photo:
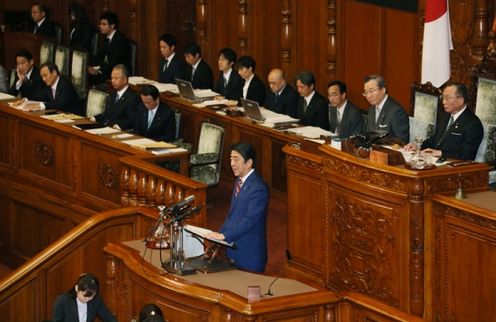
198	71
282	97
253	88
42	25
120	111
345	119
229	84
171	65
385	114
28	81
59	93
115	50
459	131
312	107
154	119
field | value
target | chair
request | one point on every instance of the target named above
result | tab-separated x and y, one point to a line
132	45
13	74
47	51
96	102
58	32
63	60
94	44
178	141
79	72
205	164
425	105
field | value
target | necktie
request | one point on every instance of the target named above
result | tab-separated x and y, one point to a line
377	112
451	120
53	93
165	65
305	105
150	119
117	98
277	98
35	28
192	73
239	183
225	82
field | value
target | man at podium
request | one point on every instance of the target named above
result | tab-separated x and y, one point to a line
245	224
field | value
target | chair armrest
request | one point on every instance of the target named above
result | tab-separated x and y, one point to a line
204	158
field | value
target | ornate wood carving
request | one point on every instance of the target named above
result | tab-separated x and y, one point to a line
201	22
133	20
286	35
45	153
469	181
133	188
242	27
108	175
124	186
480	29
303	162
141	192
416	273
329	315
331	38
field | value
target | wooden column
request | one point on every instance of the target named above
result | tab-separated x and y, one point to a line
331	49
286	36
242	27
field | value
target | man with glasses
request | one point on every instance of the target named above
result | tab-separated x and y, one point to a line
27	82
345	119
385	114
459	131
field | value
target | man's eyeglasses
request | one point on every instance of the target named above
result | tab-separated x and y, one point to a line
370	91
447	98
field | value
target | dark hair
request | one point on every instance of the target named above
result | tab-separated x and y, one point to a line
307	78
150	90
339	84
51	67
381	82
247	62
169	39
192	49
88	283
123	69
42	8
229	54
76	10
24	53
111	18
246	150
148	311
461	89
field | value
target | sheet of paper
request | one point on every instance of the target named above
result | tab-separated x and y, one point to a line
5	96
311	132
122	136
146	143
204	93
168	151
202	232
103	130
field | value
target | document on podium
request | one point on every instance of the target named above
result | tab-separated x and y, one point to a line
203	232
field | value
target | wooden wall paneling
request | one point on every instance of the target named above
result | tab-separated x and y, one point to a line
244	27
5	140
223	30
331	40
287	44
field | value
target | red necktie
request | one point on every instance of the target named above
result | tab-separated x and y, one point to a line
239	183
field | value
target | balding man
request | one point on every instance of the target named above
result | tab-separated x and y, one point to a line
282	98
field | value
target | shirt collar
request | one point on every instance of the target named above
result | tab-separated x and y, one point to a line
121	92
228	73
309	97
54	86
195	66
457	114
342	107
40	22
111	35
381	104
243	179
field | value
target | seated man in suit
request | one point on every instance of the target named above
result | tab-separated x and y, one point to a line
312	107
120	111
154	119
229	84
282	97
42	25
345	119
253	88
459	131
171	65
59	93
245	224
115	50
385	114
28	81
198	71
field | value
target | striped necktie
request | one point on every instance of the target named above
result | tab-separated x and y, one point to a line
239	183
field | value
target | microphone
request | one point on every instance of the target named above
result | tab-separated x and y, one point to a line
288	257
176	207
185	214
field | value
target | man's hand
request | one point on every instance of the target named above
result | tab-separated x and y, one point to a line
410	147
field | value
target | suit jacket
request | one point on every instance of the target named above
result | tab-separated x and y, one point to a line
287	102
393	119
176	68
246	223
163	125
317	112
203	77
81	36
256	90
47	28
122	112
234	87
461	140
33	88
66	98
116	52
65	309
351	121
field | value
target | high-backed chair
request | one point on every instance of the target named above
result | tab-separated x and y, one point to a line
12	77
132	45
425	105
205	164
63	60
96	102
79	72
47	52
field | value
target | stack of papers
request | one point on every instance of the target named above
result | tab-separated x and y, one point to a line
311	132
168	151
205	93
103	130
139	80
62	117
211	103
203	232
162	87
4	96
145	143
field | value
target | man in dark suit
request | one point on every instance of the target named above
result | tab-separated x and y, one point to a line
120	111
28	81
282	98
385	114
198	71
59	93
171	65
42	25
459	131
253	87
154	119
229	84
312	107
115	50
345	119
246	221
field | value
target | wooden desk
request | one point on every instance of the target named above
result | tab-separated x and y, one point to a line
462	257
358	226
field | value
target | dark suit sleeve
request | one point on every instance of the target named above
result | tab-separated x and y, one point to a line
102	311
58	309
130	108
400	125
356	122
